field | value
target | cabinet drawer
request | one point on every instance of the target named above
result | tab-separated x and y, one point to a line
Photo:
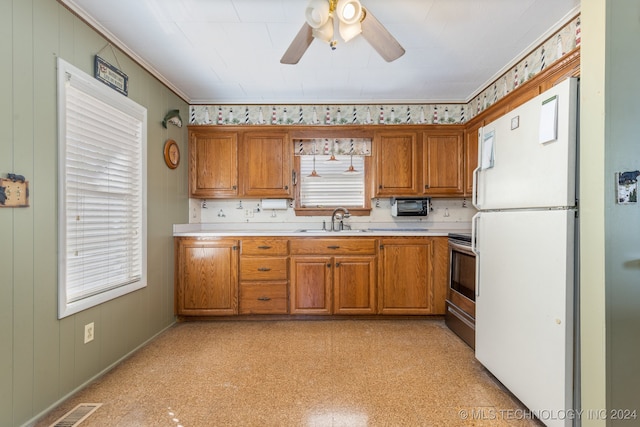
264	246
342	246
263	268
263	298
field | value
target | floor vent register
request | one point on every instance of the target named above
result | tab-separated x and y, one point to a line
77	415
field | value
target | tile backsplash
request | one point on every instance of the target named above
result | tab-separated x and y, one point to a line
249	211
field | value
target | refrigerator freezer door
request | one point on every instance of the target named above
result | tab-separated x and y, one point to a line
516	169
524	305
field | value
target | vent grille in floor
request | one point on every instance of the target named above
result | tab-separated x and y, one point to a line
77	415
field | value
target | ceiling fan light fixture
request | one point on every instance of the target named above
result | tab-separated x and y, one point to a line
352	19
349	11
317	13
349	31
324	32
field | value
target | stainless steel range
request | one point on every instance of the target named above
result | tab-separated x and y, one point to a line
461	295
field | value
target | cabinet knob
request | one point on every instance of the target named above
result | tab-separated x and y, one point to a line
264	299
264	247
328	265
264	269
380	186
337	264
426	186
333	247
286	187
235	187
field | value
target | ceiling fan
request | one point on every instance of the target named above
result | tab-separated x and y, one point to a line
351	19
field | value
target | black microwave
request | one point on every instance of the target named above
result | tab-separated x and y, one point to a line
410	206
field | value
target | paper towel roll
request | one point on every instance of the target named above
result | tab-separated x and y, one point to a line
280	204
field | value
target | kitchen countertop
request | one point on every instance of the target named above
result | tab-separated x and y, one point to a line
315	229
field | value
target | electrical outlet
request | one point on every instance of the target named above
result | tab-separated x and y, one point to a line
89	332
248	213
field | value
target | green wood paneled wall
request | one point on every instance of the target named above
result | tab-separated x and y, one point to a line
43	359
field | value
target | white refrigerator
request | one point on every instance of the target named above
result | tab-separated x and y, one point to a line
524	239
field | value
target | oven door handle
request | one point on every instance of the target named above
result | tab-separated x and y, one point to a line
474	248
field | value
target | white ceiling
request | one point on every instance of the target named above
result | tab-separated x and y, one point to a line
228	51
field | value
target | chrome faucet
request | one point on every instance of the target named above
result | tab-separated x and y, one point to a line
335	214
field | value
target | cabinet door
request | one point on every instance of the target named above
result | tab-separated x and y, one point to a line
443	163
406	276
213	163
266	169
310	289
397	163
470	156
354	285
207	277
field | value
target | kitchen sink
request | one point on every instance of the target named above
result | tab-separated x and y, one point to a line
319	230
415	230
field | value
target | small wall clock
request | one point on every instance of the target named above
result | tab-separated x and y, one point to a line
171	154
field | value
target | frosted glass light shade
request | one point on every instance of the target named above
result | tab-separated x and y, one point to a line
317	13
349	11
324	32
349	31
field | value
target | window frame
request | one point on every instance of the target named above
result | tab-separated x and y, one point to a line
324	211
69	75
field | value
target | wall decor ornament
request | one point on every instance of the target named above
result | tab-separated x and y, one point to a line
171	154
172	117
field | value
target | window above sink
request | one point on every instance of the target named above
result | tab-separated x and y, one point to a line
331	173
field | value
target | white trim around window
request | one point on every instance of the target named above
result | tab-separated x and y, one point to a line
102	220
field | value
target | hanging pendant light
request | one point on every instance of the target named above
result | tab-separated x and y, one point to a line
351	169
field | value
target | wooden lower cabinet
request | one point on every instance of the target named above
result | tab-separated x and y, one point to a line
264	275
333	285
333	276
206	277
311	280
354	285
412	275
311	276
263	298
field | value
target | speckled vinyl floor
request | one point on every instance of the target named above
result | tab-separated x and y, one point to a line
301	373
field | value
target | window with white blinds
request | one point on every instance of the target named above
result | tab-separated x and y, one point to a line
102	192
331	185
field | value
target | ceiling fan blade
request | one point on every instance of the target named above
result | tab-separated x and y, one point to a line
298	46
380	39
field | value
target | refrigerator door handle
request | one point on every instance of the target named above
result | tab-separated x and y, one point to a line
476	172
474	193
475	250
474	232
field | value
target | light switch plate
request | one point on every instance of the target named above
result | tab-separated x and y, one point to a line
14	194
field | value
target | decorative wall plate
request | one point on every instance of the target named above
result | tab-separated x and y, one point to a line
171	154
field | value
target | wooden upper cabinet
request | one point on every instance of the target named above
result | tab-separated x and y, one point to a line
397	163
266	170
213	163
443	163
470	156
214	170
